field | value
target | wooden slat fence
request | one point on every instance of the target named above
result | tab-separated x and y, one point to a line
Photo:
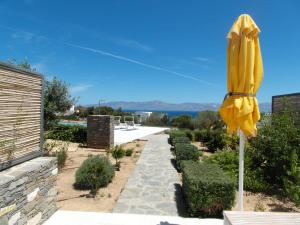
21	115
279	101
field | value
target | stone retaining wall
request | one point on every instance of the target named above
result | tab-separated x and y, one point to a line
28	193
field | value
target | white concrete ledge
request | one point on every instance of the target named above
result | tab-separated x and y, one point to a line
94	218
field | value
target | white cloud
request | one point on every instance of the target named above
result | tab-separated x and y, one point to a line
202	59
25	36
80	88
101	52
133	44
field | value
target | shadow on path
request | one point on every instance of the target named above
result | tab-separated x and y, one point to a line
180	202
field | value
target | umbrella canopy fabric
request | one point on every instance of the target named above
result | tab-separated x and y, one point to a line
240	108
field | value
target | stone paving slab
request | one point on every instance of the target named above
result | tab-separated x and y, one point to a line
154	186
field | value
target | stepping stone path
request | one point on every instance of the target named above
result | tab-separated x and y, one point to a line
154	186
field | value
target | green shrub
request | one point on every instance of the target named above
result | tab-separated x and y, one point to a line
188	133
128	152
178	140
185	151
208	120
175	133
61	156
183	121
207	189
218	140
228	160
70	133
203	135
95	172
276	150
117	153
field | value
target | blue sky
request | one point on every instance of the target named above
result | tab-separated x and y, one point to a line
170	50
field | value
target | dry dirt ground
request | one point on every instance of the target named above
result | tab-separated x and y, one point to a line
266	203
72	199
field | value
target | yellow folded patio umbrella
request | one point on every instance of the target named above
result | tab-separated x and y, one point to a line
244	74
240	110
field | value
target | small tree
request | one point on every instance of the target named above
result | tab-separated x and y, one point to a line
117	153
24	64
183	121
208	120
57	100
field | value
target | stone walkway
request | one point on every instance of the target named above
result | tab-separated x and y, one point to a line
154	186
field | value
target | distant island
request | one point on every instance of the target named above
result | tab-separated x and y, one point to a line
163	106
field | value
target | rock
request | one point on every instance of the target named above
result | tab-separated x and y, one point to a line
31	196
14	219
35	220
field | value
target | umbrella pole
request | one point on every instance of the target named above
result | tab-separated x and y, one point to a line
241	171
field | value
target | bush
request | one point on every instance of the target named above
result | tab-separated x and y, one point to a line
70	133
94	173
207	189
276	150
203	135
178	140
228	160
117	153
175	133
61	156
183	121
185	151
218	140
208	120
188	133
129	152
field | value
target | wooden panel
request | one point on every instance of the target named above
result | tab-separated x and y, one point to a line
293	101
21	108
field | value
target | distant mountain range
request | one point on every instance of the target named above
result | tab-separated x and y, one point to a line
163	106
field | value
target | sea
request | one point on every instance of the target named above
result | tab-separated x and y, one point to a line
171	114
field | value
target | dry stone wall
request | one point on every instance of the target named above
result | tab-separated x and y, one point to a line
28	193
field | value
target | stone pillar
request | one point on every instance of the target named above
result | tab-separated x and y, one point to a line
100	131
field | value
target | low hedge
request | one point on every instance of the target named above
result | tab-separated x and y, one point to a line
70	133
174	134
185	151
207	189
178	140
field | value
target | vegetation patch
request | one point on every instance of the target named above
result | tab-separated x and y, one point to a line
207	189
228	160
94	173
69	133
184	151
178	140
